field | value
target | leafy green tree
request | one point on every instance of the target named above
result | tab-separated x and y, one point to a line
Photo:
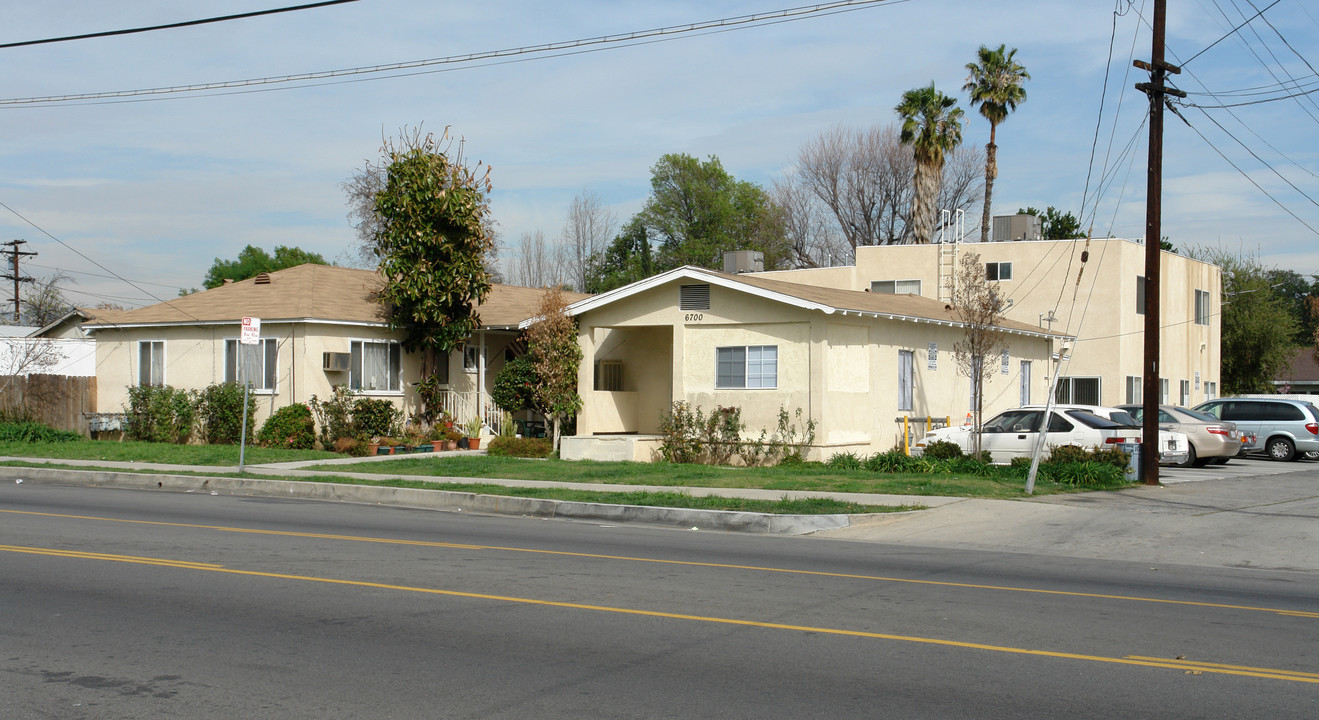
995	84
432	240
1258	329
627	259
697	212
555	357
932	125
515	385
1056	225
253	261
1300	295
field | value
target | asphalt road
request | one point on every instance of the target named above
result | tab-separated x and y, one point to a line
134	604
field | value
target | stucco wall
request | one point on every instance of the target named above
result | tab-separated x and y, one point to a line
1095	300
843	373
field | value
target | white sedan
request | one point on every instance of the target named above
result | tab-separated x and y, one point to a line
1014	433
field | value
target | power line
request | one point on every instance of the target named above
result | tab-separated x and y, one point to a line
573	46
75	251
1230	33
171	26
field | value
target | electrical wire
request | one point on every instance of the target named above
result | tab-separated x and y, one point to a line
1230	33
397	69
75	251
171	26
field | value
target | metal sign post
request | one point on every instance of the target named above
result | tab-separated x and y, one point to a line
249	335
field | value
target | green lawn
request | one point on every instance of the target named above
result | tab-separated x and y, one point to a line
797	477
810	477
147	452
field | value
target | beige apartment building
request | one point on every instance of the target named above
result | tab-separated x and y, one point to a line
1093	290
862	366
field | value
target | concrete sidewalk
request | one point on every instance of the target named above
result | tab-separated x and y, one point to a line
1258	514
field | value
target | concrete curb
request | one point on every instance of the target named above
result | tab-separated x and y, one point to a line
437	499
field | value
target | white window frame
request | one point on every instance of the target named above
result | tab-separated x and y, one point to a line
356	381
470	362
1202	311
1211	390
1025	383
266	374
896	287
151	346
1163	391
1135	392
1066	392
1185	395
748	376
1002	271
906	379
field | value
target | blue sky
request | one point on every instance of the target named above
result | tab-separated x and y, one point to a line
154	191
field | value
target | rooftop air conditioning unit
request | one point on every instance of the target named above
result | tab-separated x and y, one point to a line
1018	227
335	362
742	261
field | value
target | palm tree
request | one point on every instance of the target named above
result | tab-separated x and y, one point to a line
995	85
932	125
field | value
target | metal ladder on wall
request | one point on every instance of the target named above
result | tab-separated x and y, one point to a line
953	227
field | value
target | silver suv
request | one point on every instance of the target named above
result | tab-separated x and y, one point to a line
1284	427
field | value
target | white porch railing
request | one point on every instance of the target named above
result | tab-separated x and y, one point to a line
461	406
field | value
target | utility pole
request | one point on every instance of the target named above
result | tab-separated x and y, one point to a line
1149	455
14	254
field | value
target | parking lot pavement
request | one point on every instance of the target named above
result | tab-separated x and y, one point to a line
1235	468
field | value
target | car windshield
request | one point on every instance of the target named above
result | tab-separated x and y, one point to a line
1014	421
1124	418
1198	415
1094	421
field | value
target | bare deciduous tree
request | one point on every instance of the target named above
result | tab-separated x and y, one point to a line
862	179
587	232
538	262
980	307
809	227
44	303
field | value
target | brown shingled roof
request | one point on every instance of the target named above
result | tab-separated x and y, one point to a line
914	306
311	292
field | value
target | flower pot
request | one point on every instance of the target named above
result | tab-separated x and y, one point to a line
473	443
462	443
450	444
385	450
423	448
373	448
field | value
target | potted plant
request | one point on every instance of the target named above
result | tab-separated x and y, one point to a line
451	438
473	428
419	443
388	446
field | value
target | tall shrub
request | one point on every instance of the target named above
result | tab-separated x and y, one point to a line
160	413
289	427
220	414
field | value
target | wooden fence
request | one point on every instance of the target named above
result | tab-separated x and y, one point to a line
60	401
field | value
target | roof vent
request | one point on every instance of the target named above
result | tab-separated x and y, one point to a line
694	297
263	278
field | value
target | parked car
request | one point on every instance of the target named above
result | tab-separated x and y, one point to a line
1174	446
1014	433
1285	428
1212	440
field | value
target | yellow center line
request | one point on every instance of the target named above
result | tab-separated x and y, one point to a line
688	563
1136	660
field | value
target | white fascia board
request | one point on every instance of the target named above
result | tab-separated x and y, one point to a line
221	323
686	272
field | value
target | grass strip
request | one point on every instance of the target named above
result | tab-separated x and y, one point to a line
783	506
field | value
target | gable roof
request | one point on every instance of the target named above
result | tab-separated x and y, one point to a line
308	293
830	301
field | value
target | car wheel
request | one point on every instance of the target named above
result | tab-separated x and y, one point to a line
1281	449
1191	459
1311	455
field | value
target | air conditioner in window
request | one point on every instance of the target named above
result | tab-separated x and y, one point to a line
335	362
